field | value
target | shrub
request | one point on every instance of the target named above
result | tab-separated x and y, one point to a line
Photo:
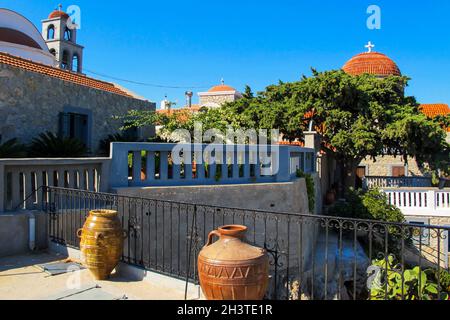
117	137
386	282
52	146
309	188
372	205
12	149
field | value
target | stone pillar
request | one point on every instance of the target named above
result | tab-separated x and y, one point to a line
312	140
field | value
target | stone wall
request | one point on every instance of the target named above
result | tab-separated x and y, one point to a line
30	103
434	240
383	165
277	197
14	232
219	99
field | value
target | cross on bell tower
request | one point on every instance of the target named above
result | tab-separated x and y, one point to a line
60	34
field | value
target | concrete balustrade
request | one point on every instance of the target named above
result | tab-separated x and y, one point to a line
21	179
150	164
420	201
169	164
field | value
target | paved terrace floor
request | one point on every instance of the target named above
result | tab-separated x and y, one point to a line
22	279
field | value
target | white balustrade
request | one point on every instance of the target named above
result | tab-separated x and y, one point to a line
420	201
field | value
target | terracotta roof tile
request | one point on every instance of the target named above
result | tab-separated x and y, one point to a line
61	74
432	110
222	87
373	63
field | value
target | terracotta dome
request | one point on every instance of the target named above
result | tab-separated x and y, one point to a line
222	87
58	14
373	63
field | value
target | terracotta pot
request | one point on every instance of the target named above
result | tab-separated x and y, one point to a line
230	269
101	242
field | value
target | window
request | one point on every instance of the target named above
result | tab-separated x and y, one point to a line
51	32
68	34
74	125
75	63
398	171
359	176
65	60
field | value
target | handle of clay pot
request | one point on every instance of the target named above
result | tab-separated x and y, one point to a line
99	237
210	236
79	232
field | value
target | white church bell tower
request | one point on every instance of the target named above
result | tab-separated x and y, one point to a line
60	34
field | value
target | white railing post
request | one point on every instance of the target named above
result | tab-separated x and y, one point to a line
282	159
119	165
431	199
137	165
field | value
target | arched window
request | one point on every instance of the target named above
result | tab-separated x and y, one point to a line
53	52
68	34
75	63
65	60
51	32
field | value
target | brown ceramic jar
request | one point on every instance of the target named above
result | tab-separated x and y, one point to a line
230	269
101	242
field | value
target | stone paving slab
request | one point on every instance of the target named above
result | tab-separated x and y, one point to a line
22	279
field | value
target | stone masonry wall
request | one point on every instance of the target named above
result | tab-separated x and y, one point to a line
382	166
30	104
430	239
219	99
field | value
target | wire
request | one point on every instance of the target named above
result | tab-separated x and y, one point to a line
144	83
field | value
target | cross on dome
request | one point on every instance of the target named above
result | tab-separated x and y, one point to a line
369	47
222	81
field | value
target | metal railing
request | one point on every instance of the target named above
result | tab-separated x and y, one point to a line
370	182
311	257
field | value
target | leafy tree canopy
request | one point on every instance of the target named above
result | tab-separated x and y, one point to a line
356	116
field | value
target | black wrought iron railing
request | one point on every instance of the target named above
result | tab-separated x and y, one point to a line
311	257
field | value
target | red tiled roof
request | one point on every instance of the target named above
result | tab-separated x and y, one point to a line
57	14
432	110
61	74
293	143
373	63
222	87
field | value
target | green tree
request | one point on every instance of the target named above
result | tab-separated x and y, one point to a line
356	116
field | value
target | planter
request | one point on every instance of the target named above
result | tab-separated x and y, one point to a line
230	269
101	242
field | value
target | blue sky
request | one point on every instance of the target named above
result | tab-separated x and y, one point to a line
196	43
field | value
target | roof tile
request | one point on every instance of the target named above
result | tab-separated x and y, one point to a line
61	74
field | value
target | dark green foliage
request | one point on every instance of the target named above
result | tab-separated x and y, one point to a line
406	284
49	145
371	205
309	188
117	137
12	149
